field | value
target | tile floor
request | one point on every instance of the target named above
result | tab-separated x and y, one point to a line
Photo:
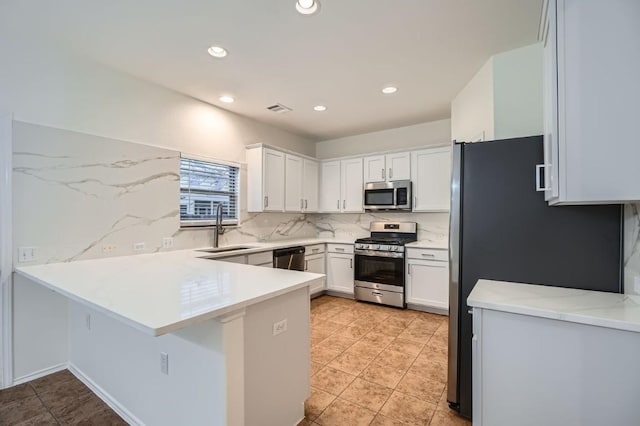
375	365
57	399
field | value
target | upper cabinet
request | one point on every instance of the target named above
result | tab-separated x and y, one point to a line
265	176
279	181
591	104
342	186
431	179
390	167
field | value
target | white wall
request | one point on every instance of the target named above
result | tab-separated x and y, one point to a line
430	133
503	100
517	92
472	108
45	85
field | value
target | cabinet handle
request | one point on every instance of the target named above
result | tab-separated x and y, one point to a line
306	205
266	201
306	265
539	187
315	250
344	204
376	293
339	249
390	173
383	174
301	204
338	204
351	263
428	255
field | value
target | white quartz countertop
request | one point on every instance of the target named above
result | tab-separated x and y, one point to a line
611	310
163	292
433	243
257	247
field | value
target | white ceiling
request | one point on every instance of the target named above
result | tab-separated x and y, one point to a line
341	57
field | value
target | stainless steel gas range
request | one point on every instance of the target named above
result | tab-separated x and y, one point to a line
379	263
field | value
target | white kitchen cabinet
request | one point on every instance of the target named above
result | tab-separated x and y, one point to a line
310	183
431	179
428	279
315	263
340	268
265	176
330	198
293	183
387	168
341	186
351	185
374	169
591	101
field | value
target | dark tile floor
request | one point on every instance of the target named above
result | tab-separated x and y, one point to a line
56	399
375	365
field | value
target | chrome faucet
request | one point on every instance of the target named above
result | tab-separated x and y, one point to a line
219	230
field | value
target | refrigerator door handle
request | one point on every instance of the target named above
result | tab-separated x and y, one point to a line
539	187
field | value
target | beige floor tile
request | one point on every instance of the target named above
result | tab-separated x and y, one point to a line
338	342
364	323
331	380
389	329
430	368
415	385
366	394
346	317
315	367
324	354
351	362
317	402
401	322
318	334
408	409
381	420
329	313
395	359
383	375
379	339
367	348
417	335
352	332
405	346
343	413
448	418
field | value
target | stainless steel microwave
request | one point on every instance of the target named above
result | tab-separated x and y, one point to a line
388	196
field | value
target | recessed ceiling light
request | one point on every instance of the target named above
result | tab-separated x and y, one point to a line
320	108
307	7
389	90
226	99
217	51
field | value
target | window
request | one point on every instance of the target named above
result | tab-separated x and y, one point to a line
204	185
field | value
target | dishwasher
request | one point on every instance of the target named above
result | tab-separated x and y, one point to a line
289	258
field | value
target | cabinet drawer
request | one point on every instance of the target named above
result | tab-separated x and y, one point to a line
428	254
314	249
340	248
260	258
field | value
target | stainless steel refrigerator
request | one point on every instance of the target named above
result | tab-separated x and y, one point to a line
502	229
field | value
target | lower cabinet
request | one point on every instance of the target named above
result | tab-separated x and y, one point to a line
340	272
315	263
428	281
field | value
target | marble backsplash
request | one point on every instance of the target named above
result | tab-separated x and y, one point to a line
632	248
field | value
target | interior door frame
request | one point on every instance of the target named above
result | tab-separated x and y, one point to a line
6	250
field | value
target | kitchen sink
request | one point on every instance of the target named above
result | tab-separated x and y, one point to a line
224	249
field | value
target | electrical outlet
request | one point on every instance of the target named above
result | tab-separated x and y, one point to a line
167	242
108	248
164	363
279	327
27	254
138	246
87	321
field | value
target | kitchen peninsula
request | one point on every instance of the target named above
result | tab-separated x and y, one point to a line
174	338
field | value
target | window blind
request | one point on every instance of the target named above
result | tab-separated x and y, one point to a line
204	185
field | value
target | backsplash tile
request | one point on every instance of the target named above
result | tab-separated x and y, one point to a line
632	248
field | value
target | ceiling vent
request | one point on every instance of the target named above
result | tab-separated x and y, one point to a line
279	108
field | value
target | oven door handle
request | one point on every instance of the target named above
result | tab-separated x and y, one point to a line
377	293
373	253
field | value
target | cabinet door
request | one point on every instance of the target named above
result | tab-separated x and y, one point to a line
340	272
310	186
273	180
428	283
352	186
330	183
431	179
315	264
550	99
293	184
398	166
374	169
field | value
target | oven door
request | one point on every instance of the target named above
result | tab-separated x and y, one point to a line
381	270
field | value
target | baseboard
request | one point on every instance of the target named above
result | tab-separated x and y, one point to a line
106	397
439	311
339	294
38	374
